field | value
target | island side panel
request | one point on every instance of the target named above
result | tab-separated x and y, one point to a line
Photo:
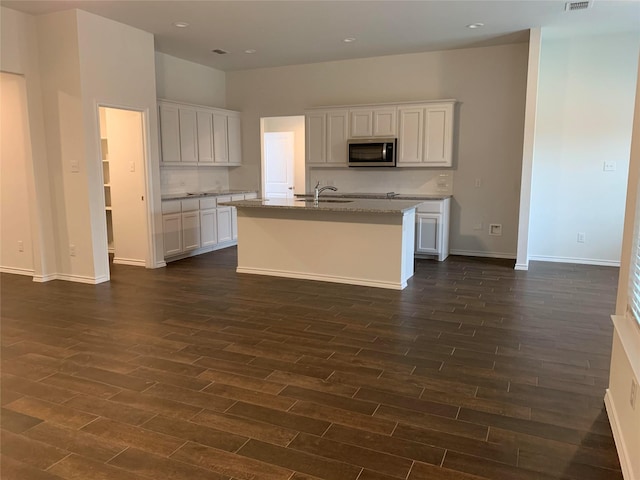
408	244
345	247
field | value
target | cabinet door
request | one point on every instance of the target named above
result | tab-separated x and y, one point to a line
188	135
208	227
316	138
411	135
225	231
234	223
220	138
438	135
169	133
235	140
191	230
384	122
428	233
172	234
361	123
205	136
337	133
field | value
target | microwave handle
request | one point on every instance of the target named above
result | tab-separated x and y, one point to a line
384	151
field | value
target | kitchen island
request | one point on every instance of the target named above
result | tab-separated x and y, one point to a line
356	241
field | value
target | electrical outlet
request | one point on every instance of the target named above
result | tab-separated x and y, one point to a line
634	393
609	166
72	250
478	182
495	229
20	246
580	237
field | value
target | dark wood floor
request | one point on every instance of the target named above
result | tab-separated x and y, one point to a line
475	371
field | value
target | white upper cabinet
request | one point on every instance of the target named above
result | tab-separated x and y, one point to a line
373	122
425	136
205	136
169	133
326	137
424	131
235	139
195	135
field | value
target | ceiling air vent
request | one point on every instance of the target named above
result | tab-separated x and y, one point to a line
571	6
219	51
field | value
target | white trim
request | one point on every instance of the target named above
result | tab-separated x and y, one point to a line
45	278
17	271
628	331
160	264
614	421
578	260
477	253
199	251
522	266
82	278
322	278
129	261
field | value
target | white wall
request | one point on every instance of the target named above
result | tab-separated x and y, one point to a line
15	155
117	68
188	82
584	118
296	125
489	83
19	54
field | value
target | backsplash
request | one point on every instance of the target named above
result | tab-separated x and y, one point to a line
193	179
372	180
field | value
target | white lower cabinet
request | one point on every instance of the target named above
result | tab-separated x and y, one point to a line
172	228
225	227
192	227
432	228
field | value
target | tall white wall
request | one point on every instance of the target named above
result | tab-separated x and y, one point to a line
188	82
117	68
489	83
584	118
15	185
19	54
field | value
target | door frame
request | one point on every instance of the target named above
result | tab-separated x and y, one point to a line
146	141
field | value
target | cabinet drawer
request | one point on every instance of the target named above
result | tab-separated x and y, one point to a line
171	206
235	198
206	203
190	205
435	206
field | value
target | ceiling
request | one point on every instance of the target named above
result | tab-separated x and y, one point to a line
310	31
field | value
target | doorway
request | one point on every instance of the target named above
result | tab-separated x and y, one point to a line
283	156
123	169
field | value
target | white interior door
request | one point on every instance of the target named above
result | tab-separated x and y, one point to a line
127	177
278	163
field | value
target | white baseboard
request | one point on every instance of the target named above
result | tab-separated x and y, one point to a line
474	253
17	271
82	278
623	455
159	264
200	251
578	260
45	278
521	266
129	261
322	278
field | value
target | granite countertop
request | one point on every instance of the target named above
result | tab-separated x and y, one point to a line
362	205
382	196
182	196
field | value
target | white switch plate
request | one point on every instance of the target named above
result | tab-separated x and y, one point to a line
132	166
609	166
75	167
581	237
478	182
20	246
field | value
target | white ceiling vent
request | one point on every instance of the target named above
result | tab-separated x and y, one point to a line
219	51
571	6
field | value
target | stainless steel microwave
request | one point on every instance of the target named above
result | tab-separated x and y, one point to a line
372	152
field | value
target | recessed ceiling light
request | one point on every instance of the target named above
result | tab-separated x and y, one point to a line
475	25
250	51
180	24
349	40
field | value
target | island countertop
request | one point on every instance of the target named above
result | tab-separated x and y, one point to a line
379	196
330	204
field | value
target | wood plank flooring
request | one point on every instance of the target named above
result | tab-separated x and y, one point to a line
475	371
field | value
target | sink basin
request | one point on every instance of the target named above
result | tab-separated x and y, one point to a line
326	200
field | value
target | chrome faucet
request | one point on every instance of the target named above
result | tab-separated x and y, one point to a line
318	191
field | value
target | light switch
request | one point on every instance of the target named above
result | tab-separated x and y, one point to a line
75	166
132	166
609	166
